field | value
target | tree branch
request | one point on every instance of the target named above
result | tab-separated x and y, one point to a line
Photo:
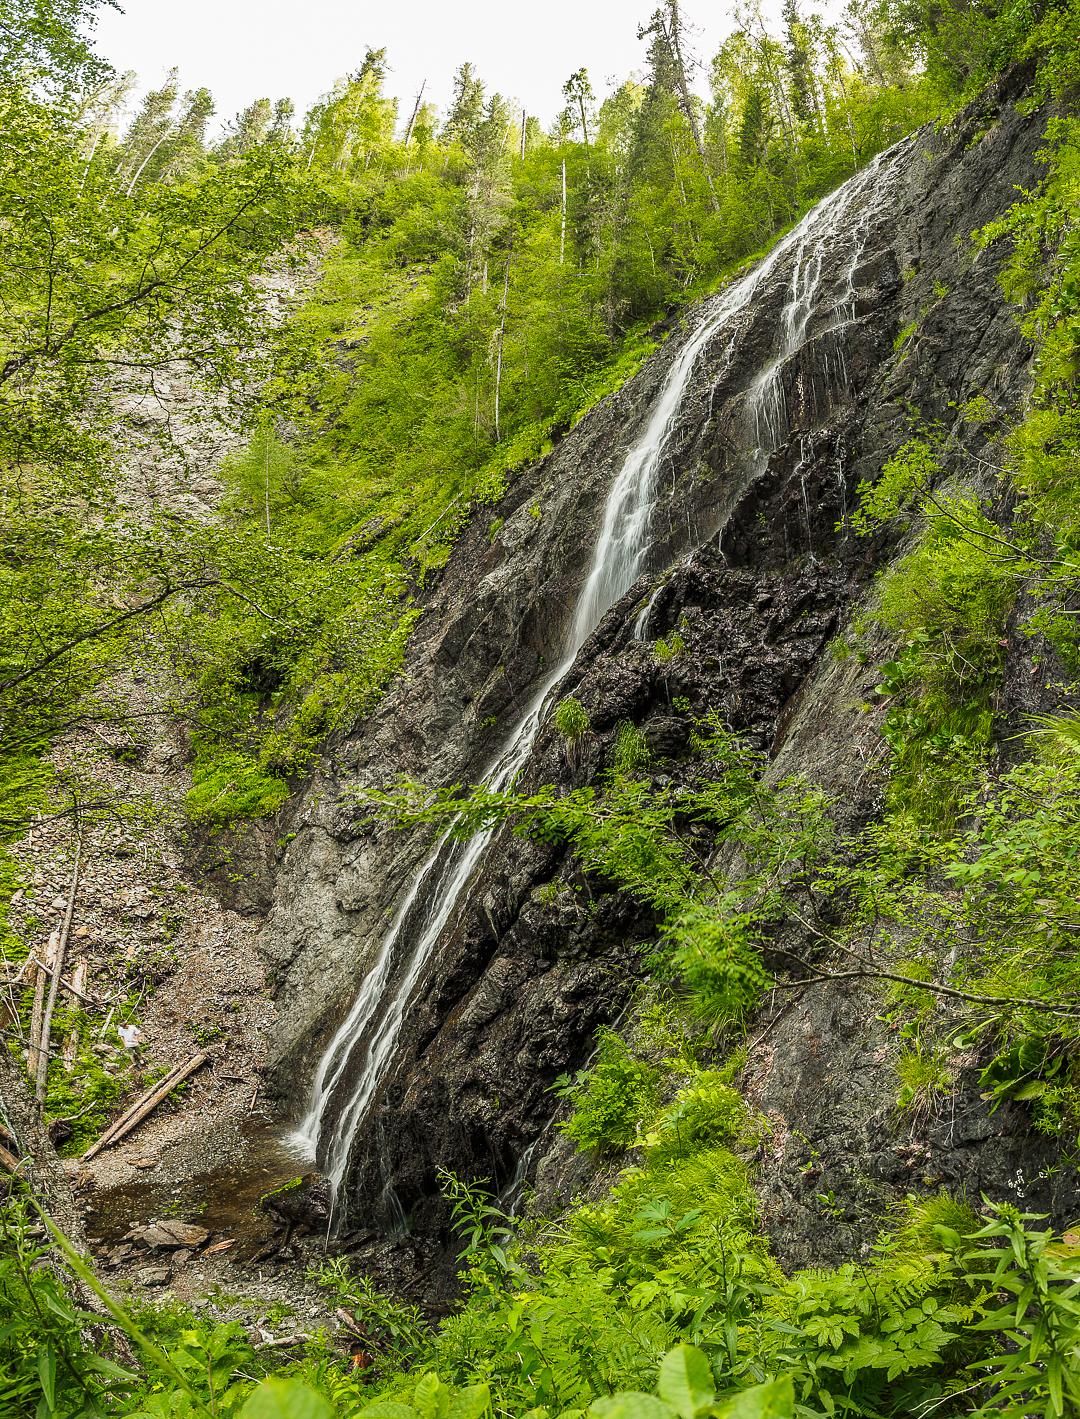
96	632
868	972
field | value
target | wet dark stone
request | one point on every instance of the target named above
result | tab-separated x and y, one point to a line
753	571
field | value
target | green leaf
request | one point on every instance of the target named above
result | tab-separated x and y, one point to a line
775	1399
1053	1382
1034	1090
630	1405
686	1381
387	1409
431	1397
47	1375
471	1403
101	1366
285	1399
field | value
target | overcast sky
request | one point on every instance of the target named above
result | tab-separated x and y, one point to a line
244	49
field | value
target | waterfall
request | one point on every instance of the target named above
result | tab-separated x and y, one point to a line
360	1052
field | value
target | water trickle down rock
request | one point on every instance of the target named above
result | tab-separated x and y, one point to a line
474	995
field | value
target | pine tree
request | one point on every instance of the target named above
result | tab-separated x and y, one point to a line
578	92
800	64
250	127
150	129
466	109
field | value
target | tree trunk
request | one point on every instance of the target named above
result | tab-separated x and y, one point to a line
562	233
502	336
671	34
415	113
42	1070
39	1166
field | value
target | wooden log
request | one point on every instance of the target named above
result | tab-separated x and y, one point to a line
145	1105
72	986
42	1080
113	1129
71	1044
26	966
41	977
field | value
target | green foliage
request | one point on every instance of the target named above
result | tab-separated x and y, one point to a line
925	1080
706	1112
631	750
285	1399
570	719
1032	1283
396	1329
904	335
906	478
45	1364
945	603
612	1098
484	1230
656	843
232	787
478	297
87	1097
667	650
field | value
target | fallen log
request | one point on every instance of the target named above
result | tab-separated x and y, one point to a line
41	978
8	1160
71	1044
145	1105
41	1083
284	1342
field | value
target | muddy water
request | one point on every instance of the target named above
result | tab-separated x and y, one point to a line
224	1199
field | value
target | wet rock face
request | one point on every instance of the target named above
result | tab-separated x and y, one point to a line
749	568
840	1155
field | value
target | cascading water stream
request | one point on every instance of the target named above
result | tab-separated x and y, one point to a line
362	1049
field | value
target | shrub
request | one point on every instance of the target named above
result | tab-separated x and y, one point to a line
705	1112
571	720
613	1098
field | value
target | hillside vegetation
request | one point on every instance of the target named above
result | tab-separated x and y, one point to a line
483	283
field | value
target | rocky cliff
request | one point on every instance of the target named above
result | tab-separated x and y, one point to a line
885	316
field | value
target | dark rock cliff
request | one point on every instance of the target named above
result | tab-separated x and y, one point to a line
749	566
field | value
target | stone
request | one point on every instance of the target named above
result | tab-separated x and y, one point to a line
169	1234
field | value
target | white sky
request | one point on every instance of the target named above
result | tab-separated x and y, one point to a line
244	49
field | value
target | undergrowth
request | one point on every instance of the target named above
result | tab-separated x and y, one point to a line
959	907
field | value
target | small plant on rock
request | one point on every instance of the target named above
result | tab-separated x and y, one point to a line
571	720
926	1080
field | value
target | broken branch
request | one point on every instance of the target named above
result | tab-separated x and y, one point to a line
145	1105
58	968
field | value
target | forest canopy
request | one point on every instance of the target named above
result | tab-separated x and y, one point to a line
486	280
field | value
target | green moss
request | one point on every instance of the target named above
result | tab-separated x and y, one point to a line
228	787
93	1092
